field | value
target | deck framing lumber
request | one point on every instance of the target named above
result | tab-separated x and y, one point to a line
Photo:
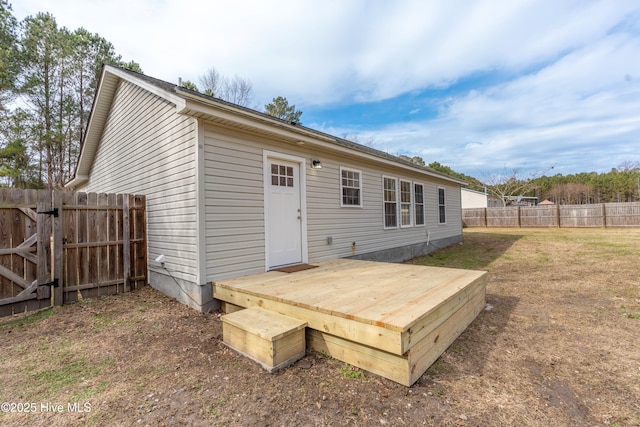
404	369
391	319
447	308
269	338
368	334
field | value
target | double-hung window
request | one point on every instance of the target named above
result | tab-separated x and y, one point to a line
350	187
418	203
442	212
390	195
405	203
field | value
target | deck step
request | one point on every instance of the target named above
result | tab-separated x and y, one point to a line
271	339
391	319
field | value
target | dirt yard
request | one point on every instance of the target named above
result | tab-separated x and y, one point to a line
558	344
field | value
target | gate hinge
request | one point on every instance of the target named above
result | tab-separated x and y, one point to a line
53	212
53	283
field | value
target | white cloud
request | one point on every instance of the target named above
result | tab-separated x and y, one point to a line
571	66
579	113
334	50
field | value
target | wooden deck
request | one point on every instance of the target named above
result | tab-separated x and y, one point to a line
391	319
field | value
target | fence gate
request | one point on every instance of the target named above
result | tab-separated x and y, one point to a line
56	247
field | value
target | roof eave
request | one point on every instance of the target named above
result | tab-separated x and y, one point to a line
109	80
76	182
204	105
189	102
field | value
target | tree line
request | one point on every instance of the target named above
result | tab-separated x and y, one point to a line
620	184
48	77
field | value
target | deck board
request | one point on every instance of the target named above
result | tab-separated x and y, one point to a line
402	299
390	295
389	308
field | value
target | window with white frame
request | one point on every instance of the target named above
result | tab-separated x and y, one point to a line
442	213
405	203
418	203
390	198
351	187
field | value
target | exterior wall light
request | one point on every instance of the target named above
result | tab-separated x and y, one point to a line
316	164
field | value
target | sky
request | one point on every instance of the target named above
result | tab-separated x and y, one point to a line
484	87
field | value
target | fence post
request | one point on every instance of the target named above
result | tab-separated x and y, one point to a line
42	244
604	215
558	215
519	218
485	217
126	242
57	267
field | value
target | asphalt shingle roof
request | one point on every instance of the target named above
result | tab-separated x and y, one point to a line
171	87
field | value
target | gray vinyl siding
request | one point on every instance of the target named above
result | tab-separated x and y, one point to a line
146	148
234	199
365	226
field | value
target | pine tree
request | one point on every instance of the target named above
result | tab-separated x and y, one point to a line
281	109
59	74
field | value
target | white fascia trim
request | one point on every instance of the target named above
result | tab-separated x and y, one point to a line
77	181
195	103
169	96
201	224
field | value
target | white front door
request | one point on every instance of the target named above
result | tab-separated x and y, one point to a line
284	212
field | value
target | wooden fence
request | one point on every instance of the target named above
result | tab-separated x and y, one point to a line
597	215
56	247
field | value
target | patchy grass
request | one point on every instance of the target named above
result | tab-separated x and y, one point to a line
436	368
628	314
476	252
52	380
27	319
558	346
350	372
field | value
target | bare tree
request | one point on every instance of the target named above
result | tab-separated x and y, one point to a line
571	193
212	82
368	141
510	182
629	166
237	90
